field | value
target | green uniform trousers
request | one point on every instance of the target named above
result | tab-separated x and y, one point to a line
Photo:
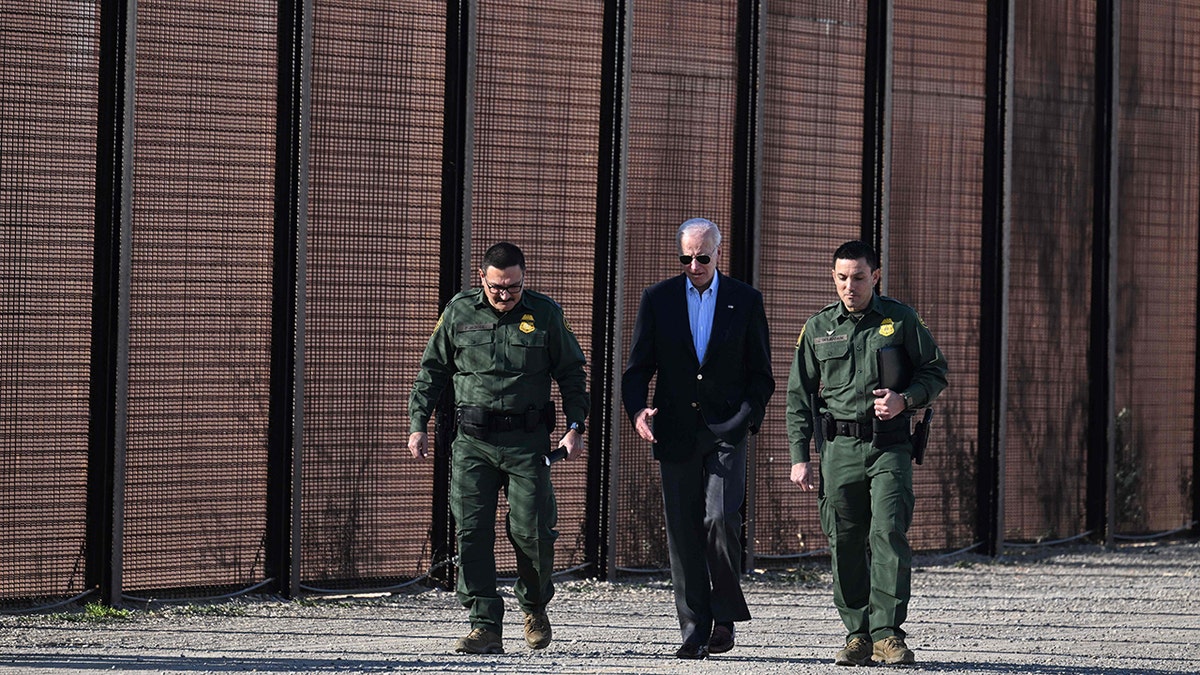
866	500
511	461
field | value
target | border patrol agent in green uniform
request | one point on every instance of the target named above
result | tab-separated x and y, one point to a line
500	345
866	497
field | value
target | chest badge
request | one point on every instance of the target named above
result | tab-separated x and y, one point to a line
526	325
887	327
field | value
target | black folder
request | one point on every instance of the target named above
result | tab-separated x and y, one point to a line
895	368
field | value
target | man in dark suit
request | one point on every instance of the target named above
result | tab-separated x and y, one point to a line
705	335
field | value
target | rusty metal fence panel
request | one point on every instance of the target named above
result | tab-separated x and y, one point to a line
372	287
536	132
48	68
200	295
933	239
812	178
203	228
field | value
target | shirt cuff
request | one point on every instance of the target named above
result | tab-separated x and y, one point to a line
800	453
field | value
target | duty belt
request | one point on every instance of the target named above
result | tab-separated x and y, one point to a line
503	422
852	429
479	422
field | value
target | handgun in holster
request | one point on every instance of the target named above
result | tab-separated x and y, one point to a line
920	436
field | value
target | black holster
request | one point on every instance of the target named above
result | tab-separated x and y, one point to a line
472	421
920	436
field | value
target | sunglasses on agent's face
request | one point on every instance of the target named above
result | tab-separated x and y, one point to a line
703	259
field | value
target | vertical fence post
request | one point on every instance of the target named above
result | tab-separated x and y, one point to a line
745	214
877	79
110	300
604	429
1102	352
286	412
993	347
455	252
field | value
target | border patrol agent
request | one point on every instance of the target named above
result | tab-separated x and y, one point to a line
500	345
866	495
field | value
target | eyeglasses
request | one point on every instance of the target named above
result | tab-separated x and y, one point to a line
511	290
703	259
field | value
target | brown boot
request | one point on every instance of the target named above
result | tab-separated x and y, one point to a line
893	650
480	641
537	630
857	652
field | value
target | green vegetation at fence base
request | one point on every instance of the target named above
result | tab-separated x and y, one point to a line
93	612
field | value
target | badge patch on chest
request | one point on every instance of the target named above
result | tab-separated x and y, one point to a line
526	325
887	327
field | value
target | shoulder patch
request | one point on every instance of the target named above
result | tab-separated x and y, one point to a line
801	336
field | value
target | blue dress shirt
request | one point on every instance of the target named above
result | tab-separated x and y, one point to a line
700	314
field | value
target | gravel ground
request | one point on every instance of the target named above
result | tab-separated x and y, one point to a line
1061	611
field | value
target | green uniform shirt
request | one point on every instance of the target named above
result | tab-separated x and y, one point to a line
500	362
837	355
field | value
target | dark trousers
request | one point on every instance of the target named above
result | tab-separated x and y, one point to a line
702	499
512	462
866	506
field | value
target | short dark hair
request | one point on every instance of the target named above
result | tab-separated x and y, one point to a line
853	250
502	256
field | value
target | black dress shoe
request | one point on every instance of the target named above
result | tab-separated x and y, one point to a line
721	640
692	650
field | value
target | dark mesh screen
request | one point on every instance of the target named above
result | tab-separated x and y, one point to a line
48	69
1156	330
202	235
933	245
537	118
682	89
812	178
1049	269
372	284
200	307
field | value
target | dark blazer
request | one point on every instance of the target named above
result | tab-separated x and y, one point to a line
728	392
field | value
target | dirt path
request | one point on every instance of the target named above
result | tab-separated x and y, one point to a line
1061	612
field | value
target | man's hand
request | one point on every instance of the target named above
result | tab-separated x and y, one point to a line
889	404
573	442
641	422
801	476
416	444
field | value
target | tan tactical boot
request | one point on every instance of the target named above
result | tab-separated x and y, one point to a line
480	641
537	630
893	650
857	652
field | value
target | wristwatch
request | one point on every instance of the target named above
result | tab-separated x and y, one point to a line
907	400
576	426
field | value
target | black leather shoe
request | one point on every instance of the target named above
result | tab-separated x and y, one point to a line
692	650
721	640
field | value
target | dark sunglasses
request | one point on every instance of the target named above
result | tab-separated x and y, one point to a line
702	259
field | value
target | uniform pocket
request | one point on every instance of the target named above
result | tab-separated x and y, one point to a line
474	350
830	350
527	351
